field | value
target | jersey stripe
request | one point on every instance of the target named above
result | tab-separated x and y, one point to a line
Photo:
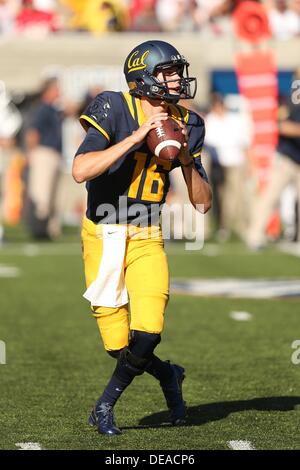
128	99
179	113
135	108
133	99
96	125
184	113
140	113
174	111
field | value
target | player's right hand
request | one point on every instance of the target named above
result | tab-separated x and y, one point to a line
151	123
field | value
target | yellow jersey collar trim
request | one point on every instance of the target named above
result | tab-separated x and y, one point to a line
141	116
128	99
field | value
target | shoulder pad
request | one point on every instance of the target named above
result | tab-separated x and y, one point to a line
99	112
195	119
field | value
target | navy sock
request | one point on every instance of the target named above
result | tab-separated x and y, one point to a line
115	388
159	369
124	373
121	378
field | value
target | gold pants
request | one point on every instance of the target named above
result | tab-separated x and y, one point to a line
147	282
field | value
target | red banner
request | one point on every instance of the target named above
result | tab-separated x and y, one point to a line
257	81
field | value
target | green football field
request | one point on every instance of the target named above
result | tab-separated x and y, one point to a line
241	384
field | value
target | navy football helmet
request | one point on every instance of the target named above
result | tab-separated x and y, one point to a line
148	59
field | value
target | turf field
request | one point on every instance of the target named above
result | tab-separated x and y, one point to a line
240	385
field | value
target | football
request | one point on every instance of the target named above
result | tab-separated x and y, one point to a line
166	140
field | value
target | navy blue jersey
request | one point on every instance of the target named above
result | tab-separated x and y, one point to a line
47	120
138	181
290	146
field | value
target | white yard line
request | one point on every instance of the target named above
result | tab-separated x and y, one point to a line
31	250
240	316
29	446
237	288
240	445
9	271
290	248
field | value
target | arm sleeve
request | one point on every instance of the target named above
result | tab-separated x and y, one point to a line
99	115
196	140
93	141
196	134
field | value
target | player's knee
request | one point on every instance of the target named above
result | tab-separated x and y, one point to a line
135	358
142	344
115	354
130	364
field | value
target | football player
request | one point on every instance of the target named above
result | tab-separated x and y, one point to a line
117	166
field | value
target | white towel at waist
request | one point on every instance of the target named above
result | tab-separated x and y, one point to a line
109	289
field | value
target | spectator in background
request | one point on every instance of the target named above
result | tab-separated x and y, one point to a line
45	5
74	10
10	124
165	13
100	17
97	16
213	14
176	15
33	22
8	10
147	19
284	19
295	6
43	141
229	135
136	8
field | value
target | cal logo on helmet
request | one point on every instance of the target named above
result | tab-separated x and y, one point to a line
136	62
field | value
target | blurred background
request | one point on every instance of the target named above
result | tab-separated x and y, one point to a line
244	55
